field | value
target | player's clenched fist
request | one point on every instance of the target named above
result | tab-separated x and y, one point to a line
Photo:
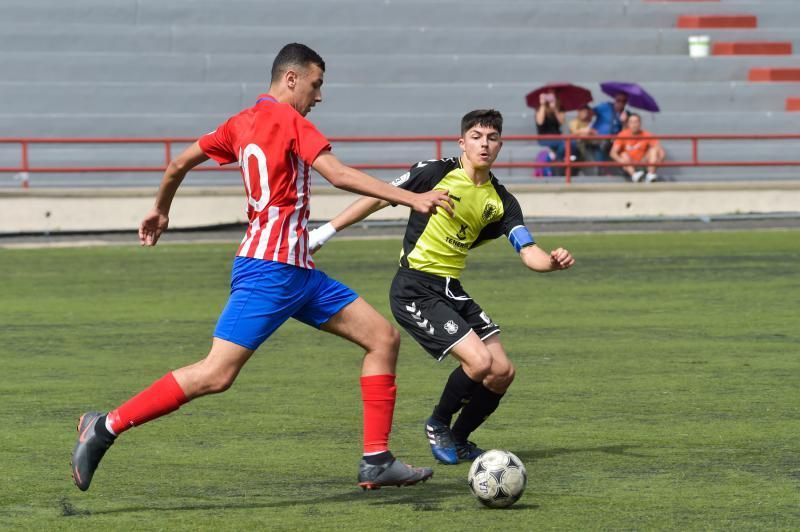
561	259
152	226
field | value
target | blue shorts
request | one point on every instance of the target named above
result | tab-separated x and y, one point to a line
264	294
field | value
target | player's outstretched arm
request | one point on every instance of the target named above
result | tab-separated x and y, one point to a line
539	260
350	179
156	221
357	211
353	213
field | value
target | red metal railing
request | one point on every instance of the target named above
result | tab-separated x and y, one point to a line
438	142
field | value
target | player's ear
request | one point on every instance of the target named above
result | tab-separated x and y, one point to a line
461	143
291	78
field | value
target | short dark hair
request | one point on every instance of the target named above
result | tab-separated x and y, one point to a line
637	115
297	55
482	117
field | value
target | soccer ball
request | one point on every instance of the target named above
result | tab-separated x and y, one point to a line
497	478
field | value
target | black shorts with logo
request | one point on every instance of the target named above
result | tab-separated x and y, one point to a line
436	311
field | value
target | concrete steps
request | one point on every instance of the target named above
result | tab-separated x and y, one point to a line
405	13
65	38
113	68
380	69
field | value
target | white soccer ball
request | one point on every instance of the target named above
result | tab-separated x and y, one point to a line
497	478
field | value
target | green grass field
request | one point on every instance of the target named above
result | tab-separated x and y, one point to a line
657	388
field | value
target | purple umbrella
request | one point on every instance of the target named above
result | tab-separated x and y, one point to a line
637	96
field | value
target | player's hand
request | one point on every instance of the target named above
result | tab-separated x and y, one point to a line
152	226
561	259
428	202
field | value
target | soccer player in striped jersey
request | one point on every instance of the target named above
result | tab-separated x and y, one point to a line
273	277
426	296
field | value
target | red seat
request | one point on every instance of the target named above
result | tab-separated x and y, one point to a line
793	103
774	74
752	48
717	21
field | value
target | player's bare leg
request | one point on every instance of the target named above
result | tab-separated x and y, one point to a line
502	373
363	325
97	432
216	372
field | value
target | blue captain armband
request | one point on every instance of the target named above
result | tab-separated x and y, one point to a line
520	237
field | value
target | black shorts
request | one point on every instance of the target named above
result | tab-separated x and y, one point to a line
436	311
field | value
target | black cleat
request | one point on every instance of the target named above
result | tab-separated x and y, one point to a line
391	473
441	440
468	451
89	449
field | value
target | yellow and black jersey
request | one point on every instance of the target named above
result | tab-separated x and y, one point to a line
439	244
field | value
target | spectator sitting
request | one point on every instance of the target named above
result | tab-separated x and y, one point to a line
642	148
549	119
609	118
588	149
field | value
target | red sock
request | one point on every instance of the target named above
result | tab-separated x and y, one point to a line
378	392
162	397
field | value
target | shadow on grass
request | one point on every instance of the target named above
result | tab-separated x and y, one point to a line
540	454
424	498
427	497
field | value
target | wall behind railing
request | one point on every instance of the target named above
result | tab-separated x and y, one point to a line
81	162
87	210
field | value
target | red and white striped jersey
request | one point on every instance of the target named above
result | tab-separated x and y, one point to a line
275	147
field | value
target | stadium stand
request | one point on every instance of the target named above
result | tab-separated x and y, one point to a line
146	68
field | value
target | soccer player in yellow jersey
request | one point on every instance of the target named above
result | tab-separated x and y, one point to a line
426	296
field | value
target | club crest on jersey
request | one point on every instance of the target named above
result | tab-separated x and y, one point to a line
489	211
451	327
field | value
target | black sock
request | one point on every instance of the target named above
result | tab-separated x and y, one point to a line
102	431
456	394
480	407
378	459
